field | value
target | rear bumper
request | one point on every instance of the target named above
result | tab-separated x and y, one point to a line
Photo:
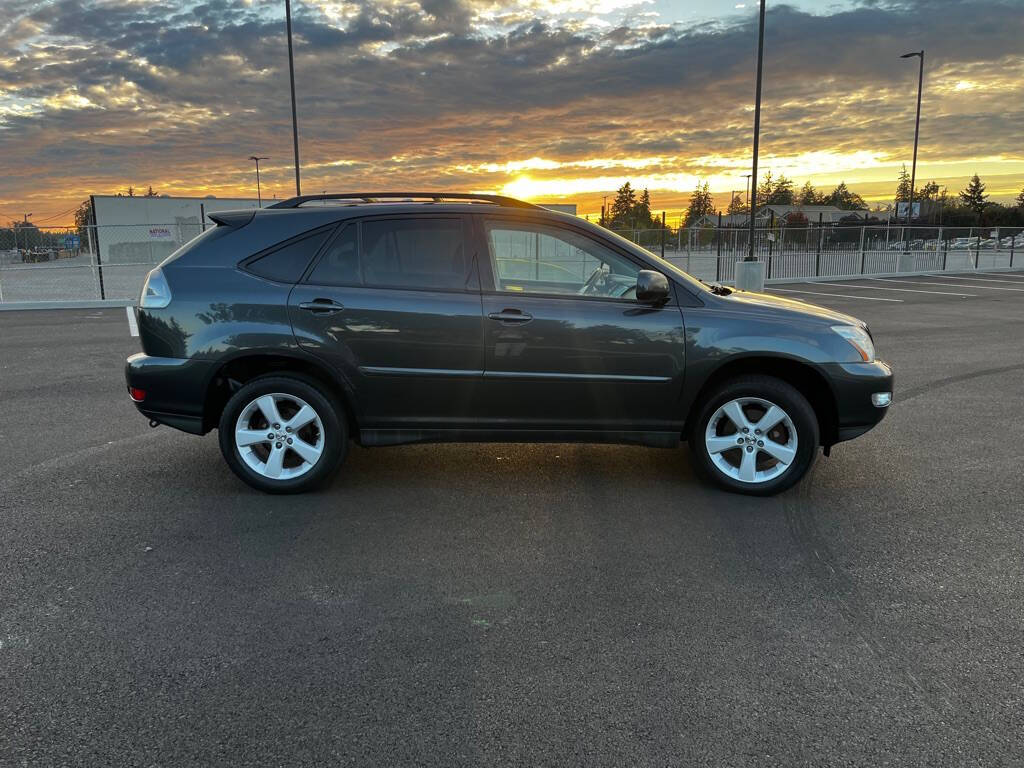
853	385
175	389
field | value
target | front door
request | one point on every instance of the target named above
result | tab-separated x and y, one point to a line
394	305
567	346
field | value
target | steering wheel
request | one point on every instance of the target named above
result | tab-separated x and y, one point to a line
592	281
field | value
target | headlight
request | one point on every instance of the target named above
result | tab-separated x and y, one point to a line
156	293
859	339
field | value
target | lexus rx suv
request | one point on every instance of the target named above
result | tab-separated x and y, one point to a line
406	317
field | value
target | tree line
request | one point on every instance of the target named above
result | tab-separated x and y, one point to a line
969	207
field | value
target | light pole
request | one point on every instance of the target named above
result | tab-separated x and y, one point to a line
917	129
757	128
259	196
291	74
26	233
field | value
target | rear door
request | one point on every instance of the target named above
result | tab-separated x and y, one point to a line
394	304
567	345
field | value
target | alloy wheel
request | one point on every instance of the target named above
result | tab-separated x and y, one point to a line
279	436
751	440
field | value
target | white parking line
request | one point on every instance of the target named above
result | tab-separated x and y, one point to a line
133	327
1013	276
901	281
881	288
964	277
840	295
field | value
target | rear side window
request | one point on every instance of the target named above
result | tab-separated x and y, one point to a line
287	263
420	252
340	263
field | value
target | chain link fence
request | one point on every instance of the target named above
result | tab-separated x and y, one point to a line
83	263
109	262
711	253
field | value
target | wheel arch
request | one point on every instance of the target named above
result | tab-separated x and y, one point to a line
804	376
239	369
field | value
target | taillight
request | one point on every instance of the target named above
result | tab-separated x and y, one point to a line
136	394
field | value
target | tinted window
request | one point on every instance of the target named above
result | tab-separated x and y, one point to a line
415	253
529	258
287	263
340	263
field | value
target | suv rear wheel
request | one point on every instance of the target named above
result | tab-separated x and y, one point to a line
756	435
283	433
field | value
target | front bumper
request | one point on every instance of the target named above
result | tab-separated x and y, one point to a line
853	385
175	389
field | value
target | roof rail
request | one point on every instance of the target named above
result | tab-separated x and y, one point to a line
434	197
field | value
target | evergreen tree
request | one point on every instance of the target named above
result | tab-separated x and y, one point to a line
974	196
844	198
1020	199
903	187
642	211
929	191
782	193
701	204
765	189
736	205
623	205
809	195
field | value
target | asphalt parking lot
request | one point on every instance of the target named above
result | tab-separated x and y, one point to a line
520	605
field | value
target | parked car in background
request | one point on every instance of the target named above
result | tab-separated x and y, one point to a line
402	318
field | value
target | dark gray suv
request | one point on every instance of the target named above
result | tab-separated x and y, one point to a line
405	317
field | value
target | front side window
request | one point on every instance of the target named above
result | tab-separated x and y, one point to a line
534	258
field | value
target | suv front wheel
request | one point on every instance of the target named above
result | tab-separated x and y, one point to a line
756	435
283	433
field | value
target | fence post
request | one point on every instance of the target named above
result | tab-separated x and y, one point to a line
995	251
942	242
862	230
718	243
1013	242
977	244
99	261
663	234
817	255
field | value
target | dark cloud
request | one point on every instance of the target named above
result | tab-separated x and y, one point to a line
109	93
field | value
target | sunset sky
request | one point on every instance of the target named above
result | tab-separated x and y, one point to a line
560	100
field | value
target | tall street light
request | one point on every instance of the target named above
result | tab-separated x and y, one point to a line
917	129
757	130
259	196
291	74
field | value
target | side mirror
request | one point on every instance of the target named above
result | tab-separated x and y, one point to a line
651	287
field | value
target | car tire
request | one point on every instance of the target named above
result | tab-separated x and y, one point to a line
305	447
755	435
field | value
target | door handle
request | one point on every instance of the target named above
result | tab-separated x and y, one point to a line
322	306
511	316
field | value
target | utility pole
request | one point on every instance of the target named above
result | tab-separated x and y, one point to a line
917	129
757	128
291	74
259	196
